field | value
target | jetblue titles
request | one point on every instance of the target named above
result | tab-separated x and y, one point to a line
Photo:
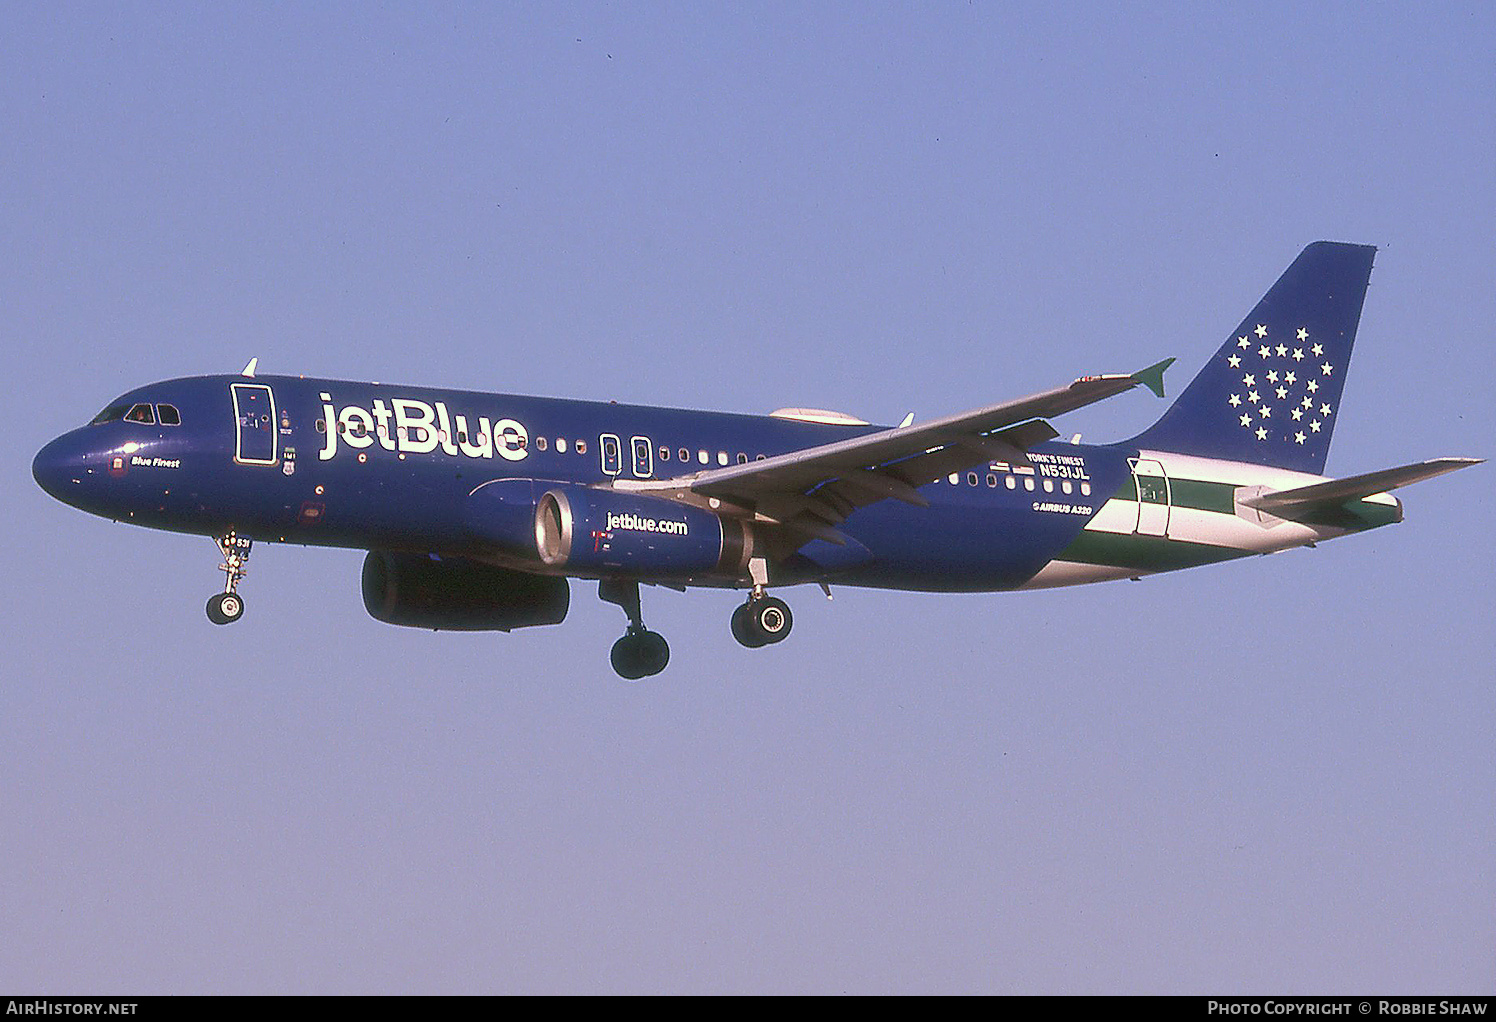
420	428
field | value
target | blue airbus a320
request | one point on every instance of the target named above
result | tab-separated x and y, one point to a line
477	508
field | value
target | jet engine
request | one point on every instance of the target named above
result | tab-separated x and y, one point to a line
454	594
584	530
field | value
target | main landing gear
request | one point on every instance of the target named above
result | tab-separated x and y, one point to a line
761	621
228	606
640	653
764	619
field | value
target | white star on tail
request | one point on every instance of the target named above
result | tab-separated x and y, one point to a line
1261	433
1261	330
1299	437
1303	334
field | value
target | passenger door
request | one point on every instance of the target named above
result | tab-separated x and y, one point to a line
1153	497
255	434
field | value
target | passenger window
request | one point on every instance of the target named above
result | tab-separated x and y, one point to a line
141	413
664	453
643	462
581	447
168	415
971	479
722	457
612	454
703	457
685	455
540	444
742	459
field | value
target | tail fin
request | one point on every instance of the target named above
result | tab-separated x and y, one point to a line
1271	395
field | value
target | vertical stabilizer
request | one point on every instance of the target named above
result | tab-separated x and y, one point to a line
1271	394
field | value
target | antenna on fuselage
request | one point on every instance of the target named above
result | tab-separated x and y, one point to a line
249	369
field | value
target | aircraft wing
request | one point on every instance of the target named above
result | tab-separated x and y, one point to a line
814	489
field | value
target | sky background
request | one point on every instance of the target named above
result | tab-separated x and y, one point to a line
1271	776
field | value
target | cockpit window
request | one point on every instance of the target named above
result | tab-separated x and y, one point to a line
141	413
168	415
113	413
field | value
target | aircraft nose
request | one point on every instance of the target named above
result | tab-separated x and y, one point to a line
60	467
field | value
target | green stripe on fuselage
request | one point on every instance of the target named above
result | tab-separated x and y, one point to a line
1191	493
1145	553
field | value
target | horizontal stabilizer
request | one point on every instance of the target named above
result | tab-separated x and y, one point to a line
1337	491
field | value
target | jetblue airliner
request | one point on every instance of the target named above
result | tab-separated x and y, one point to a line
477	509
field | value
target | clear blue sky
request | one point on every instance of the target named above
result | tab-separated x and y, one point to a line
1269	776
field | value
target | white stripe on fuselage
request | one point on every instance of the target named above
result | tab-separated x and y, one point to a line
1248	530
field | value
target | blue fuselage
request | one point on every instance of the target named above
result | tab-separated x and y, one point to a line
370	466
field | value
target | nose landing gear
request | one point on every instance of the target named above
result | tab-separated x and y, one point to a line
640	653
228	606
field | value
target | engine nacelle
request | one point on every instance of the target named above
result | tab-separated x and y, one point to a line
610	533
459	595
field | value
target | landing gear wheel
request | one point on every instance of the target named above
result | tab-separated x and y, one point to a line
225	608
771	618
640	654
743	630
762	621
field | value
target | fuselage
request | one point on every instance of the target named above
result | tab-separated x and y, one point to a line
373	466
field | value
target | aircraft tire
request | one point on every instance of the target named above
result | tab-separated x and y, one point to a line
654	652
640	655
626	660
743	629
771	618
225	608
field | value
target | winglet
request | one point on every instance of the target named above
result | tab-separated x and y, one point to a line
249	370
1153	376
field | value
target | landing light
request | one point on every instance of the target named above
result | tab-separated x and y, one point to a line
131	447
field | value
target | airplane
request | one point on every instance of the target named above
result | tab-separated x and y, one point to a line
476	509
